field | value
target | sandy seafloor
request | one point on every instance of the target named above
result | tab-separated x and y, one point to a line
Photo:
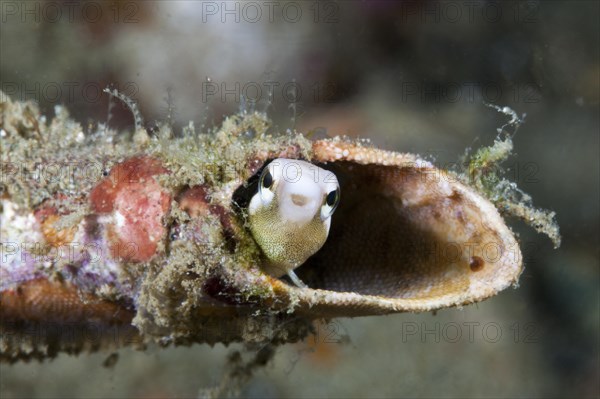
411	77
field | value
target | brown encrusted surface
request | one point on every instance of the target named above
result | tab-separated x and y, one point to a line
42	318
43	300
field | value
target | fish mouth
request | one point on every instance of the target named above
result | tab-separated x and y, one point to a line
299	200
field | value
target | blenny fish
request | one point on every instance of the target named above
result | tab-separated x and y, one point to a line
239	234
290	215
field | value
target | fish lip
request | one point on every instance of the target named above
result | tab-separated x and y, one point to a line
299	199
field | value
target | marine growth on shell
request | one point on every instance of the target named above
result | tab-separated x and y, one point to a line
222	237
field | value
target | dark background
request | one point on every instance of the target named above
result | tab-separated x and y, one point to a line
412	76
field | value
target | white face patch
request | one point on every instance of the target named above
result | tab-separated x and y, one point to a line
301	191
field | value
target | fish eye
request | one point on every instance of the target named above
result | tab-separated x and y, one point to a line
331	202
332	197
266	180
265	186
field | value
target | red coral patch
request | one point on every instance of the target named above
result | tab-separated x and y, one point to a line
137	203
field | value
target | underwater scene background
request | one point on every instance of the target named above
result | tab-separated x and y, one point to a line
412	77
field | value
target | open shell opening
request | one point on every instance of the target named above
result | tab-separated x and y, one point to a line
414	235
